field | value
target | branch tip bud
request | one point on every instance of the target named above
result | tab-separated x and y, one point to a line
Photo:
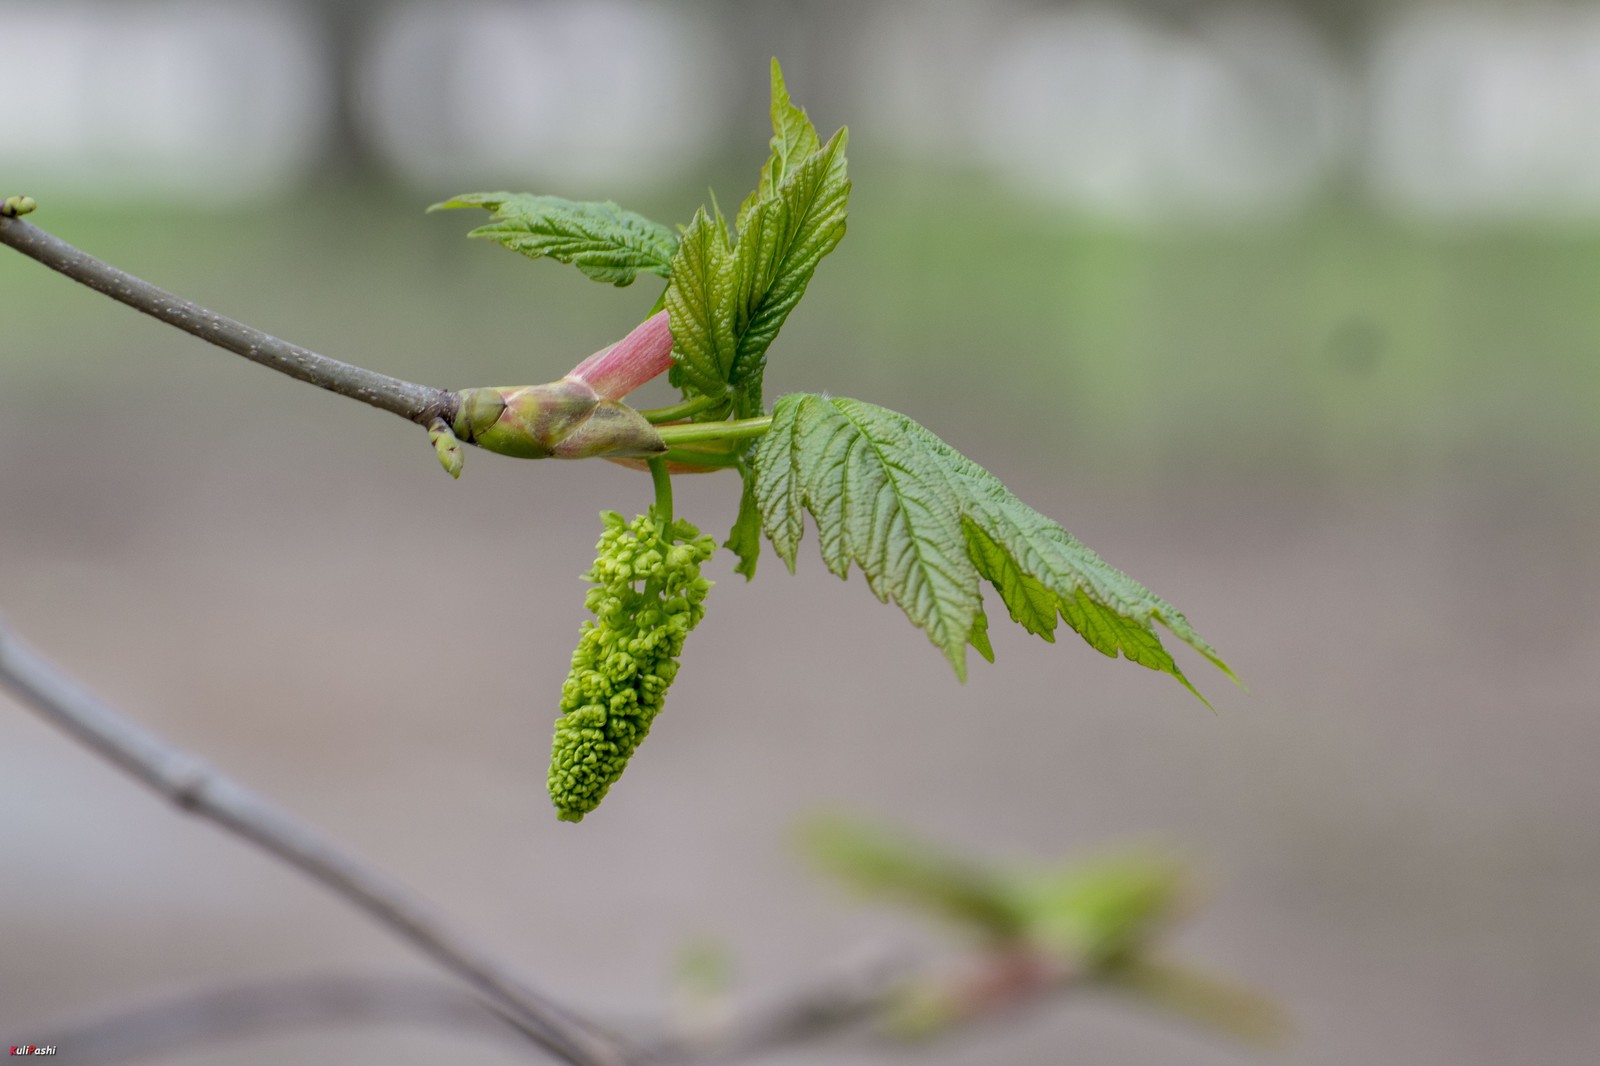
563	419
581	416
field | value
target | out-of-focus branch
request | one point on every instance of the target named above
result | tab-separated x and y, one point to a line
167	1027
198	789
418	403
851	994
847	996
874	988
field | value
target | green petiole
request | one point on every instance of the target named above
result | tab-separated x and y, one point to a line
695	432
695	457
686	409
663	483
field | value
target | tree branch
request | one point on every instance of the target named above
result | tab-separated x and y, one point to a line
850	994
418	403
196	788
853	993
169	1026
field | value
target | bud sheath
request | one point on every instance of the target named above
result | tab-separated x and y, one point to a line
637	358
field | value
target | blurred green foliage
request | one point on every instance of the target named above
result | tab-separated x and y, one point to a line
882	863
1093	913
1096	921
1337	343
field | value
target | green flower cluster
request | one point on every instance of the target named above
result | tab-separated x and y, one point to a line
647	596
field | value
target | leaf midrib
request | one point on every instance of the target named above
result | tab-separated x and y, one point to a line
810	202
955	652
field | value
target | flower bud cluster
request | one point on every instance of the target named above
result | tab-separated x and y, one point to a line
647	596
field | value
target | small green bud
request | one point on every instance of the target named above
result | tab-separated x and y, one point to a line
647	595
446	446
480	409
13	206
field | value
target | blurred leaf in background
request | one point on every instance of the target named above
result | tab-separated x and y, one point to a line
1093	922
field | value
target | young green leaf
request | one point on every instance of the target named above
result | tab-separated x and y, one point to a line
600	239
793	138
926	525
781	240
701	305
879	502
745	539
736	295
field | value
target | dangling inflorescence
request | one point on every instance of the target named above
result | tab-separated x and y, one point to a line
647	596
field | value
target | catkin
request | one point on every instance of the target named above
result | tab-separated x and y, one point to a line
647	596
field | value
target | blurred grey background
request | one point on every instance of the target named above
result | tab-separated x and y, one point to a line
1290	309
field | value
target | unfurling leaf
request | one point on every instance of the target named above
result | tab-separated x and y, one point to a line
599	238
782	238
647	595
927	526
793	139
729	297
700	301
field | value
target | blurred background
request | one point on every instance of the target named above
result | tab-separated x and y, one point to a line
1292	310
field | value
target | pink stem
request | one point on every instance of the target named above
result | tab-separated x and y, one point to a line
616	371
